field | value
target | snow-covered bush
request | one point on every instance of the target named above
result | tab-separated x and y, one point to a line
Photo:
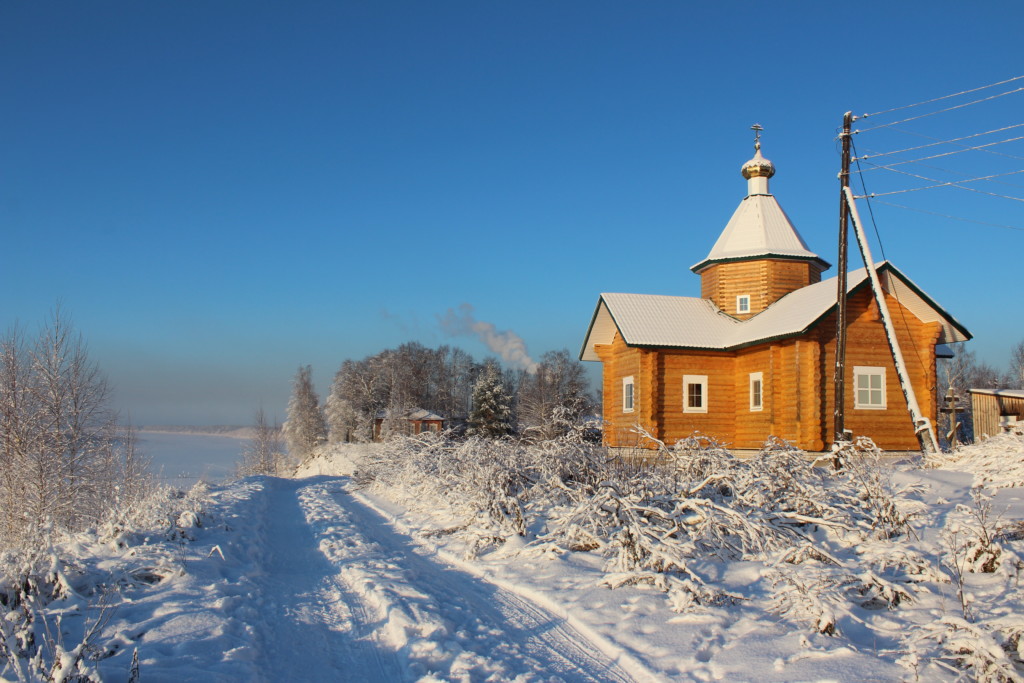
45	583
997	462
990	653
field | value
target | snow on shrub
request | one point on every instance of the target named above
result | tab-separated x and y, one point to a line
59	574
996	463
834	542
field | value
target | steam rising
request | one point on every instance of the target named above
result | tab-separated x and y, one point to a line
506	343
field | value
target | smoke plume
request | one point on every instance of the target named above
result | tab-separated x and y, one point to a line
506	343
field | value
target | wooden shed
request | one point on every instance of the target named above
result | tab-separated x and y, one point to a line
753	356
996	410
415	421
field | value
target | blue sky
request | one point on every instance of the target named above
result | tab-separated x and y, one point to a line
221	191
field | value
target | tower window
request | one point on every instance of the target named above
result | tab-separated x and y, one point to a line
743	303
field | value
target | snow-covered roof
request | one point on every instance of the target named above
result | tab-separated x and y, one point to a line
759	228
692	323
414	414
1006	393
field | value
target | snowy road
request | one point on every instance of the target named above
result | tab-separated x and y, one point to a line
345	597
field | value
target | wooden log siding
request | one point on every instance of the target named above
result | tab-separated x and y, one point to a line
764	280
620	361
797	391
720	419
867	345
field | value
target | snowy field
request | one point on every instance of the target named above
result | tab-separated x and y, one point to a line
340	575
182	459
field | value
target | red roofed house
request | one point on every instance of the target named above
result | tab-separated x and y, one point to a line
754	355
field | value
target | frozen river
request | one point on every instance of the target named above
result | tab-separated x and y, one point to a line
181	459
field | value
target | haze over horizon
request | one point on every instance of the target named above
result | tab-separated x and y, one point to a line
219	193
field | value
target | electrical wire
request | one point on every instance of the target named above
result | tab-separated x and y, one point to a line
946	215
944	97
941	111
939	142
954	183
881	248
987	151
977	148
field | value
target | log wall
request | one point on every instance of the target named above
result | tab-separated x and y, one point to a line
764	280
797	391
866	345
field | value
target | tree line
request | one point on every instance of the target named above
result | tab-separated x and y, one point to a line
376	394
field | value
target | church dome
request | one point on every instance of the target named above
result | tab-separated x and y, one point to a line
758	167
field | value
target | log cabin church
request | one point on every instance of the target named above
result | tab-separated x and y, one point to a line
754	356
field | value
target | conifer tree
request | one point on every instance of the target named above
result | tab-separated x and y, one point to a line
491	415
306	427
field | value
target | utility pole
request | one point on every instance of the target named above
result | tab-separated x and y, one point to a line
844	215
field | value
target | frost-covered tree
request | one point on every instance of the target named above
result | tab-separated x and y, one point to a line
63	460
264	454
306	427
553	397
491	414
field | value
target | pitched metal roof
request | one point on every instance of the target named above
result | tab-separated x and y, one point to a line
650	320
759	228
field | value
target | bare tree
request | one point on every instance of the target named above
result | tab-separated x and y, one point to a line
962	372
554	397
65	462
264	454
1015	379
306	427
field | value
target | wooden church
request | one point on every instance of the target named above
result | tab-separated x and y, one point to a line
754	356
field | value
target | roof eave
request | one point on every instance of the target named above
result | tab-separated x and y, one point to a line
708	262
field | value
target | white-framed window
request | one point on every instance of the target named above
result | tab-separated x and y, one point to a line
627	394
868	388
743	303
756	391
695	393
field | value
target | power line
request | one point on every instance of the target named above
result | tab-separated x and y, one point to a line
977	148
944	97
987	151
938	142
954	183
940	111
881	247
946	215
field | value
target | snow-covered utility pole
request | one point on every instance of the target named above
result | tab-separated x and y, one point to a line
839	415
922	425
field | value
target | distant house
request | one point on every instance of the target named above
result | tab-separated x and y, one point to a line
753	356
416	421
995	411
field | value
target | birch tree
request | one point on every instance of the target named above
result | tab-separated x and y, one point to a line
264	454
64	460
553	397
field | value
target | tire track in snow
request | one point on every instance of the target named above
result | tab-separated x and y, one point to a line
442	621
312	629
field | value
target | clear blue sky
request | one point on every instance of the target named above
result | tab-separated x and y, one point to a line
221	191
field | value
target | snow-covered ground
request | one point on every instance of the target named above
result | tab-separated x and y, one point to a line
323	578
